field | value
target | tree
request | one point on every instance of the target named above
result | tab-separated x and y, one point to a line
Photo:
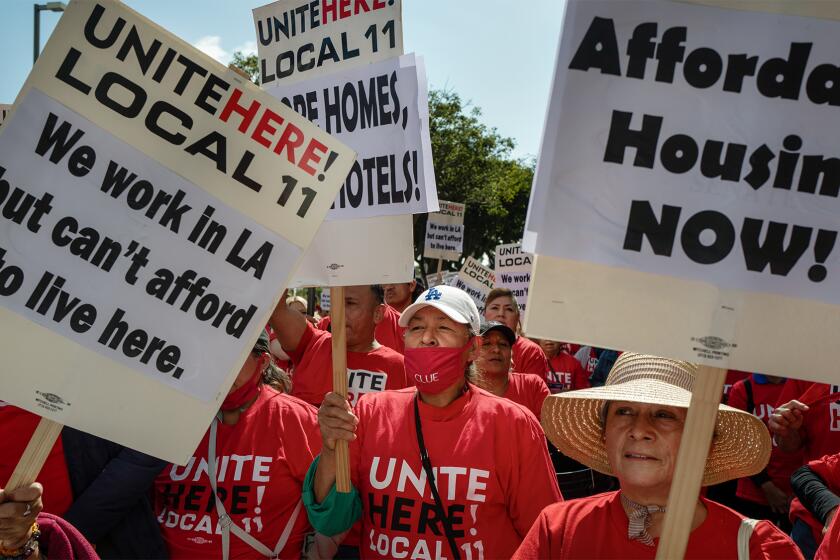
473	164
250	64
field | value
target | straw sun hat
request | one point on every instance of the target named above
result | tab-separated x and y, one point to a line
572	420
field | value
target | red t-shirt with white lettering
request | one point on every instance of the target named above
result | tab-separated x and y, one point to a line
564	373
494	475
388	331
528	357
367	372
262	460
781	465
596	527
16	429
528	390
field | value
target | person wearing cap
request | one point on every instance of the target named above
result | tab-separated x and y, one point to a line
492	474
631	428
495	376
253	458
501	306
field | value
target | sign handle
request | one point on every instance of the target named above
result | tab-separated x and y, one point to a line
439	271
35	454
691	461
339	365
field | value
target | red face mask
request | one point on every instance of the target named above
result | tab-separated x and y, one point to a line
434	369
241	396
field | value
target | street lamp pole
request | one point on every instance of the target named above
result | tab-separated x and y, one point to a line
50	7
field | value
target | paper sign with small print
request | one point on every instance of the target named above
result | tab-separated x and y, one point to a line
156	227
301	39
477	280
445	232
325	300
685	196
380	110
513	271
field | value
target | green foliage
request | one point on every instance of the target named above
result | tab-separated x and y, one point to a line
473	164
250	64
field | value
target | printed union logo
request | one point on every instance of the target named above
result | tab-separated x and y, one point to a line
433	293
51	397
335	266
713	342
200	540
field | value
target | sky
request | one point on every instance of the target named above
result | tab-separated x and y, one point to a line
493	53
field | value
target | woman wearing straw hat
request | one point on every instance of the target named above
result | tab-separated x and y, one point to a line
631	428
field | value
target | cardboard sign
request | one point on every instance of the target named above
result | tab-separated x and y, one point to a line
152	228
445	232
380	110
513	271
477	280
446	278
4	112
301	39
702	235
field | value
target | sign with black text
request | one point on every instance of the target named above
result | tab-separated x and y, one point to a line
477	280
445	232
513	271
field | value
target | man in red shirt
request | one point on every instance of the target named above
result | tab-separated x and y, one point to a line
563	372
400	296
371	366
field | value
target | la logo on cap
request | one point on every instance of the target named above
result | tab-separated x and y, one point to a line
433	293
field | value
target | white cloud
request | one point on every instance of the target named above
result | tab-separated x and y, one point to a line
212	46
247	48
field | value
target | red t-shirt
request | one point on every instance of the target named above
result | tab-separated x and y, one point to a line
821	424
732	377
262	461
388	331
827	468
830	547
528	357
494	475
367	372
528	390
596	527
781	465
564	373
16	429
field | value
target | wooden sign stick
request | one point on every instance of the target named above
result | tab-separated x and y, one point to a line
439	271
691	460
339	365
35	454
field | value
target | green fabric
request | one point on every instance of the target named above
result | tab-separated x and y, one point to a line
337	513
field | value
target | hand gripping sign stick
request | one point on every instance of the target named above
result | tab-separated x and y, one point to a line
691	460
339	364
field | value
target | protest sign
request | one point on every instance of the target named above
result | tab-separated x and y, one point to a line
477	280
513	271
445	232
149	227
4	112
444	278
702	235
301	39
380	110
325	300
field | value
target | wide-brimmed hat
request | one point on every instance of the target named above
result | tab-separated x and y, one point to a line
572	420
455	303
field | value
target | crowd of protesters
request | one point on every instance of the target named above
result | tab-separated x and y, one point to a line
464	436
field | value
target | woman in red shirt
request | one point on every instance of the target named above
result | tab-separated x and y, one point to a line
441	470
495	377
248	469
501	306
631	428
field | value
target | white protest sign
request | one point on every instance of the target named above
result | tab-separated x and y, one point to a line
445	232
301	39
380	110
325	300
446	278
477	280
138	252
4	112
513	271
706	235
